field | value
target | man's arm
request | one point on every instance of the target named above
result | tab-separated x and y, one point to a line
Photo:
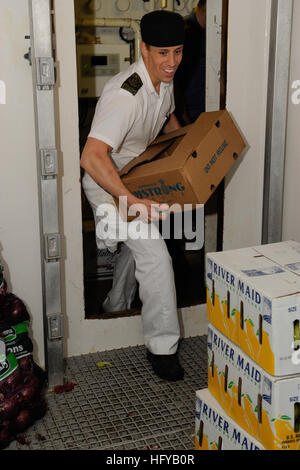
172	125
95	159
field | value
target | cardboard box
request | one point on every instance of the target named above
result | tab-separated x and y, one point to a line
255	302
286	254
215	430
222	299
187	165
267	407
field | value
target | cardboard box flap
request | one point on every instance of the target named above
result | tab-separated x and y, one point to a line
177	133
286	254
156	165
259	272
152	152
158	146
207	123
190	136
195	134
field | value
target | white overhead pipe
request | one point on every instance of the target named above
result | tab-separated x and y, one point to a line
116	22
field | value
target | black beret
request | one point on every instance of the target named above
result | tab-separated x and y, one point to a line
162	28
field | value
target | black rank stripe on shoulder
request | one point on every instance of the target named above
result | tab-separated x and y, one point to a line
133	83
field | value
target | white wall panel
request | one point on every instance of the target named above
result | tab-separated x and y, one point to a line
19	213
291	216
248	49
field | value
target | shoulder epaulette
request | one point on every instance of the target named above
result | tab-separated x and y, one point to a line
133	83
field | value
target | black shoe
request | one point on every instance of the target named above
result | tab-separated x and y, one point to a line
167	367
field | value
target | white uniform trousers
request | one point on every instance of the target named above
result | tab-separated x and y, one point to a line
124	286
153	271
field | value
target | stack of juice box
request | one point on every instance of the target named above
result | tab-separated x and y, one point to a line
253	308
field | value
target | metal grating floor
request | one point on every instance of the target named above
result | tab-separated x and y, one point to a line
122	406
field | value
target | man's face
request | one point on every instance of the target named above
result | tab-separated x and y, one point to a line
161	62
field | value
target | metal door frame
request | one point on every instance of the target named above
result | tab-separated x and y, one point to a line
277	104
214	20
43	74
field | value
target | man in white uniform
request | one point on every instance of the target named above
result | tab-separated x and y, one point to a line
134	107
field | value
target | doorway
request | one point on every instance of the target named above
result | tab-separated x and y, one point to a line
95	47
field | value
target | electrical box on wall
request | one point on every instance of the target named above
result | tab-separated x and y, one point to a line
97	63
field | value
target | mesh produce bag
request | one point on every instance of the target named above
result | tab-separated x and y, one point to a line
22	381
21	398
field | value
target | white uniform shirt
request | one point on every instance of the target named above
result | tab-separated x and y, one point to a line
128	122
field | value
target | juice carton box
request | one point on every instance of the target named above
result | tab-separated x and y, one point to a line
280	414
286	254
234	380
222	300
267	407
264	302
215	430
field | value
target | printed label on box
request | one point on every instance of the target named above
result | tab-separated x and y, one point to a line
215	430
267	407
256	303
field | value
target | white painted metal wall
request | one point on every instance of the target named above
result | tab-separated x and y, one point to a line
291	219
248	55
19	220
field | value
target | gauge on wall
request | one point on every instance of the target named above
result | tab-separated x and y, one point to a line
127	34
179	5
122	5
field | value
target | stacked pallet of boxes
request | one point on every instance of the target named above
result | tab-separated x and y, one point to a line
253	307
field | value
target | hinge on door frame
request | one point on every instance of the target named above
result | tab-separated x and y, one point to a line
49	165
55	326
45	75
52	246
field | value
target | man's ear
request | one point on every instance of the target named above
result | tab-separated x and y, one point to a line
143	48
